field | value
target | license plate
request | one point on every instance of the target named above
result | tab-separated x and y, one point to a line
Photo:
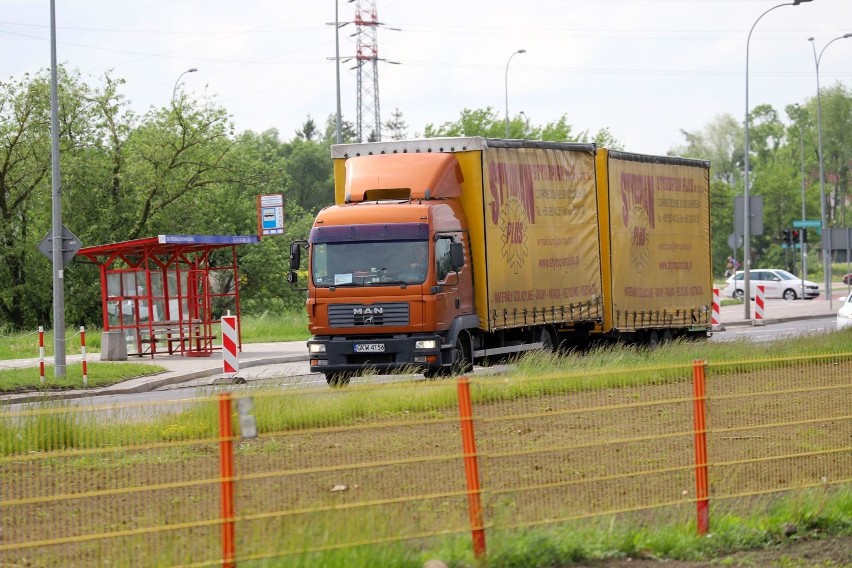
369	347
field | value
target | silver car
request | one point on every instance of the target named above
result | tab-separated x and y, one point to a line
777	283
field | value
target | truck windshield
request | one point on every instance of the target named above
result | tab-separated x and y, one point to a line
376	263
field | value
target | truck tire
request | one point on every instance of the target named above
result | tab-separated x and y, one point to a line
546	338
336	380
462	358
461	361
653	339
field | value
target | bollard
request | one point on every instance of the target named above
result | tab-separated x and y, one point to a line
83	351
41	353
759	302
230	361
715	319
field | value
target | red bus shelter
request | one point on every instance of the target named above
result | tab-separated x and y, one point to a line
165	293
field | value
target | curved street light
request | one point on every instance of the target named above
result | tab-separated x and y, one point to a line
174	90
746	211
826	253
507	87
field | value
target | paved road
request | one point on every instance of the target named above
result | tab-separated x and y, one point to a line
291	356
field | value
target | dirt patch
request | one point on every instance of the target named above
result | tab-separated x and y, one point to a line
829	552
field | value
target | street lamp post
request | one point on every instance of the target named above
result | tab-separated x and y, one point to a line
746	208
507	87
826	253
802	244
174	90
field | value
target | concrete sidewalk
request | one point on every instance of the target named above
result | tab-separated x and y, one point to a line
181	369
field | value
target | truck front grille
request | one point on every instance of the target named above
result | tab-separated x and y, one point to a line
368	315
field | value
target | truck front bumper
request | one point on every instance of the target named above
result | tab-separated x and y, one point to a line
358	354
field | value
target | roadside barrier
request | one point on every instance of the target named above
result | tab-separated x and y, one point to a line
230	359
83	352
759	304
715	318
41	353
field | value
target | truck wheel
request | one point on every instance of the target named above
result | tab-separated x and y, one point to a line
653	339
338	379
546	340
461	357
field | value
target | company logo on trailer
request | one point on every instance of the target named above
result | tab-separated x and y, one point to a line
512	209
637	215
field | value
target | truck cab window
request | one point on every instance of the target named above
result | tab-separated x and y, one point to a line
443	261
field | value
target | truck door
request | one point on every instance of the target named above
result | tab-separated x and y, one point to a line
448	299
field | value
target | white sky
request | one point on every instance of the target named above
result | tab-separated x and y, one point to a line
644	68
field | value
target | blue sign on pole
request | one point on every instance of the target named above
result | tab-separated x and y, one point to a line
808	224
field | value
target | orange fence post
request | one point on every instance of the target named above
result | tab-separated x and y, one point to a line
702	492
226	473
471	468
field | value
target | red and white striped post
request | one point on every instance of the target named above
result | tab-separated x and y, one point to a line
715	318
759	302
41	353
83	351
230	361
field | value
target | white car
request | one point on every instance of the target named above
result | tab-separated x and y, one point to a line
844	314
777	283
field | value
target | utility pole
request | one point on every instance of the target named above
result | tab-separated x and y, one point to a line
56	191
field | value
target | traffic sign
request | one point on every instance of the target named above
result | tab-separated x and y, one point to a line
809	223
70	245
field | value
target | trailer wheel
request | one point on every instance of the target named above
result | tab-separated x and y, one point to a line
546	340
653	339
341	379
668	336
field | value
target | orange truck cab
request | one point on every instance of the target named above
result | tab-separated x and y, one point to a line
442	252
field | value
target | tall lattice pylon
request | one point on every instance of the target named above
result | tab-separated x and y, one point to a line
367	57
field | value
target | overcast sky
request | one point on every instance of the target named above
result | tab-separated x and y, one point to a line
644	68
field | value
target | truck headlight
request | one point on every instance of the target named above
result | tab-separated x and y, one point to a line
316	348
425	344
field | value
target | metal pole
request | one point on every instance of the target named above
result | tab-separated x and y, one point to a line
746	208
803	245
337	135
826	250
506	83
58	268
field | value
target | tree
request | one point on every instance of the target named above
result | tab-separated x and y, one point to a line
308	131
396	126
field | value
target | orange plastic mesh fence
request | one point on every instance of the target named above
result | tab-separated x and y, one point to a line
382	466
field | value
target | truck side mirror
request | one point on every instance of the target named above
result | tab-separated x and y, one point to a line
295	256
457	256
292	277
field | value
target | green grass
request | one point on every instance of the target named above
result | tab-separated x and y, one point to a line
100	374
291	326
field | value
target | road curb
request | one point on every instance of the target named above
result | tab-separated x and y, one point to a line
144	384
